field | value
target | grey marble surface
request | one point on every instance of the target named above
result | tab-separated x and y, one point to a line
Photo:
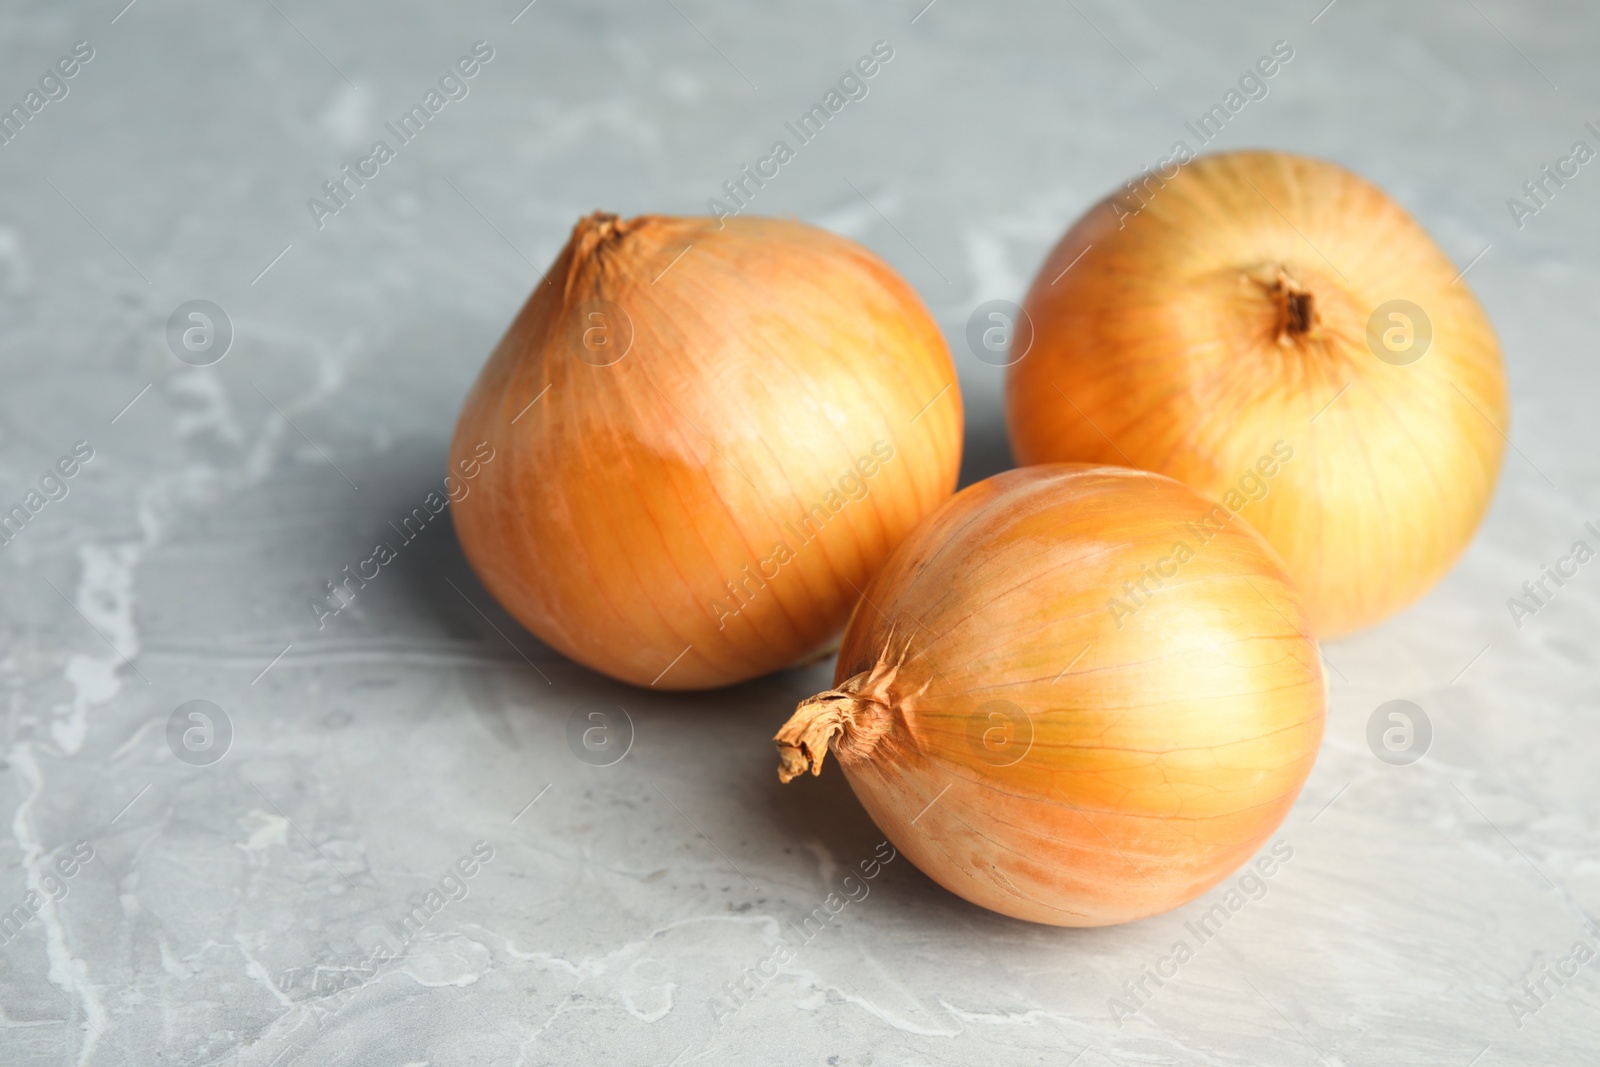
227	912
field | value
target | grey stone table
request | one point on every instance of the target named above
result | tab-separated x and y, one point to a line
225	912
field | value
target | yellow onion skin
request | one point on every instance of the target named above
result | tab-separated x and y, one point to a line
1049	758
1171	345
702	393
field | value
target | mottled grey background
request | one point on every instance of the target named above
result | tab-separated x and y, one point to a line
226	904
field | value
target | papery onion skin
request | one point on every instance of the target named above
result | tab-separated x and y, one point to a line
631	516
1165	347
1155	750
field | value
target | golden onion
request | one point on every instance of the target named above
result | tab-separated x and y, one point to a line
1186	323
1076	695
708	438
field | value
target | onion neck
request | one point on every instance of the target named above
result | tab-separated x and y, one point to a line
850	720
597	231
606	252
1296	307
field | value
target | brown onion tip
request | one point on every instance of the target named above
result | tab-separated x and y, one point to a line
803	741
845	719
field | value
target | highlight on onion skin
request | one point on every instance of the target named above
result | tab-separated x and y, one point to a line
1043	755
1250	298
708	438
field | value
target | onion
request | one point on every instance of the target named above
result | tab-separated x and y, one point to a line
1076	695
709	437
1255	296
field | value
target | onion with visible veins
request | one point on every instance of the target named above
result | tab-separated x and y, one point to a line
1258	296
1076	695
708	437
